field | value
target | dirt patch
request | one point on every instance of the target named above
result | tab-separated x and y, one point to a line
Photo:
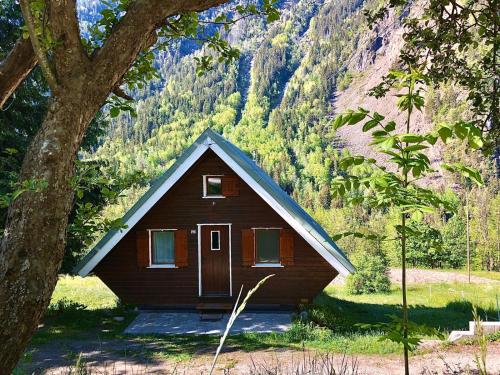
452	360
414	275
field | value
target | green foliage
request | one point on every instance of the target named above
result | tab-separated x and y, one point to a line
96	187
20	119
394	331
424	245
18	188
405	151
371	275
460	41
388	189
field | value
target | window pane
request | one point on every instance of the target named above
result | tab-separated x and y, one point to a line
215	240
268	245
163	247
214	186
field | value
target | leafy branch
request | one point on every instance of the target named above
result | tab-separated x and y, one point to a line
21	187
398	188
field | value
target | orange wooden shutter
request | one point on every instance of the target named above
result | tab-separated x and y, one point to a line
230	186
247	247
286	247
142	241
181	248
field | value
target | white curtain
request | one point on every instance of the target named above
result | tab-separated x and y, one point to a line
163	247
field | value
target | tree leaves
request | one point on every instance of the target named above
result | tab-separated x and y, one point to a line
467	172
350	117
186	25
463	131
355	234
95	188
18	188
349	161
394	331
411	138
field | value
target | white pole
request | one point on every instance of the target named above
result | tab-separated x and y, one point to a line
467	230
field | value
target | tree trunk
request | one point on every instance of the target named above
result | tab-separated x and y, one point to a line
32	247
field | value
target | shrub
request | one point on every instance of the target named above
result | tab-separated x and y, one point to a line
331	318
371	276
65	306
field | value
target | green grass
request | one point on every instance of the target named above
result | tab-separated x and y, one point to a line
83	309
445	306
89	291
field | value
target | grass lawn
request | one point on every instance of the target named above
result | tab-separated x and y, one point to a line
84	309
81	308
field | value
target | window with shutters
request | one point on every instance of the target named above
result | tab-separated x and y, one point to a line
219	186
162	248
267	247
212	187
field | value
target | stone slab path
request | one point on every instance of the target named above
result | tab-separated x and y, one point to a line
182	323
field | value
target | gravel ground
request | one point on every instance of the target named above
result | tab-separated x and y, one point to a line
453	360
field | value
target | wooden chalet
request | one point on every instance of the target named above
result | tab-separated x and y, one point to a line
211	223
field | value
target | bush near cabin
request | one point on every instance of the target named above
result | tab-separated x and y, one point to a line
371	275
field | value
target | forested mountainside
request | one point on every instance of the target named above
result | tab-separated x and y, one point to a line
277	102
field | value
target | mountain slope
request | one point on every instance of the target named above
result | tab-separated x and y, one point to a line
276	102
366	68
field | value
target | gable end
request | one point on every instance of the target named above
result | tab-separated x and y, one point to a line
251	174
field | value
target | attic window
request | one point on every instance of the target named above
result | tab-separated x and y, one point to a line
212	187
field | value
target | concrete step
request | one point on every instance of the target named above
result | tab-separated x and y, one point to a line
488	328
214	306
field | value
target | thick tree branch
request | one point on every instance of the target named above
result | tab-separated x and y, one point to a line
71	59
37	47
118	91
131	35
15	68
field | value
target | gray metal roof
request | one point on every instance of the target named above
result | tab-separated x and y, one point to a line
258	175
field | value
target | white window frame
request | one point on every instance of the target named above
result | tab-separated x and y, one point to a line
205	196
151	264
212	240
264	265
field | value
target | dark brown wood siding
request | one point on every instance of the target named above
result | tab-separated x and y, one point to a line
183	207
